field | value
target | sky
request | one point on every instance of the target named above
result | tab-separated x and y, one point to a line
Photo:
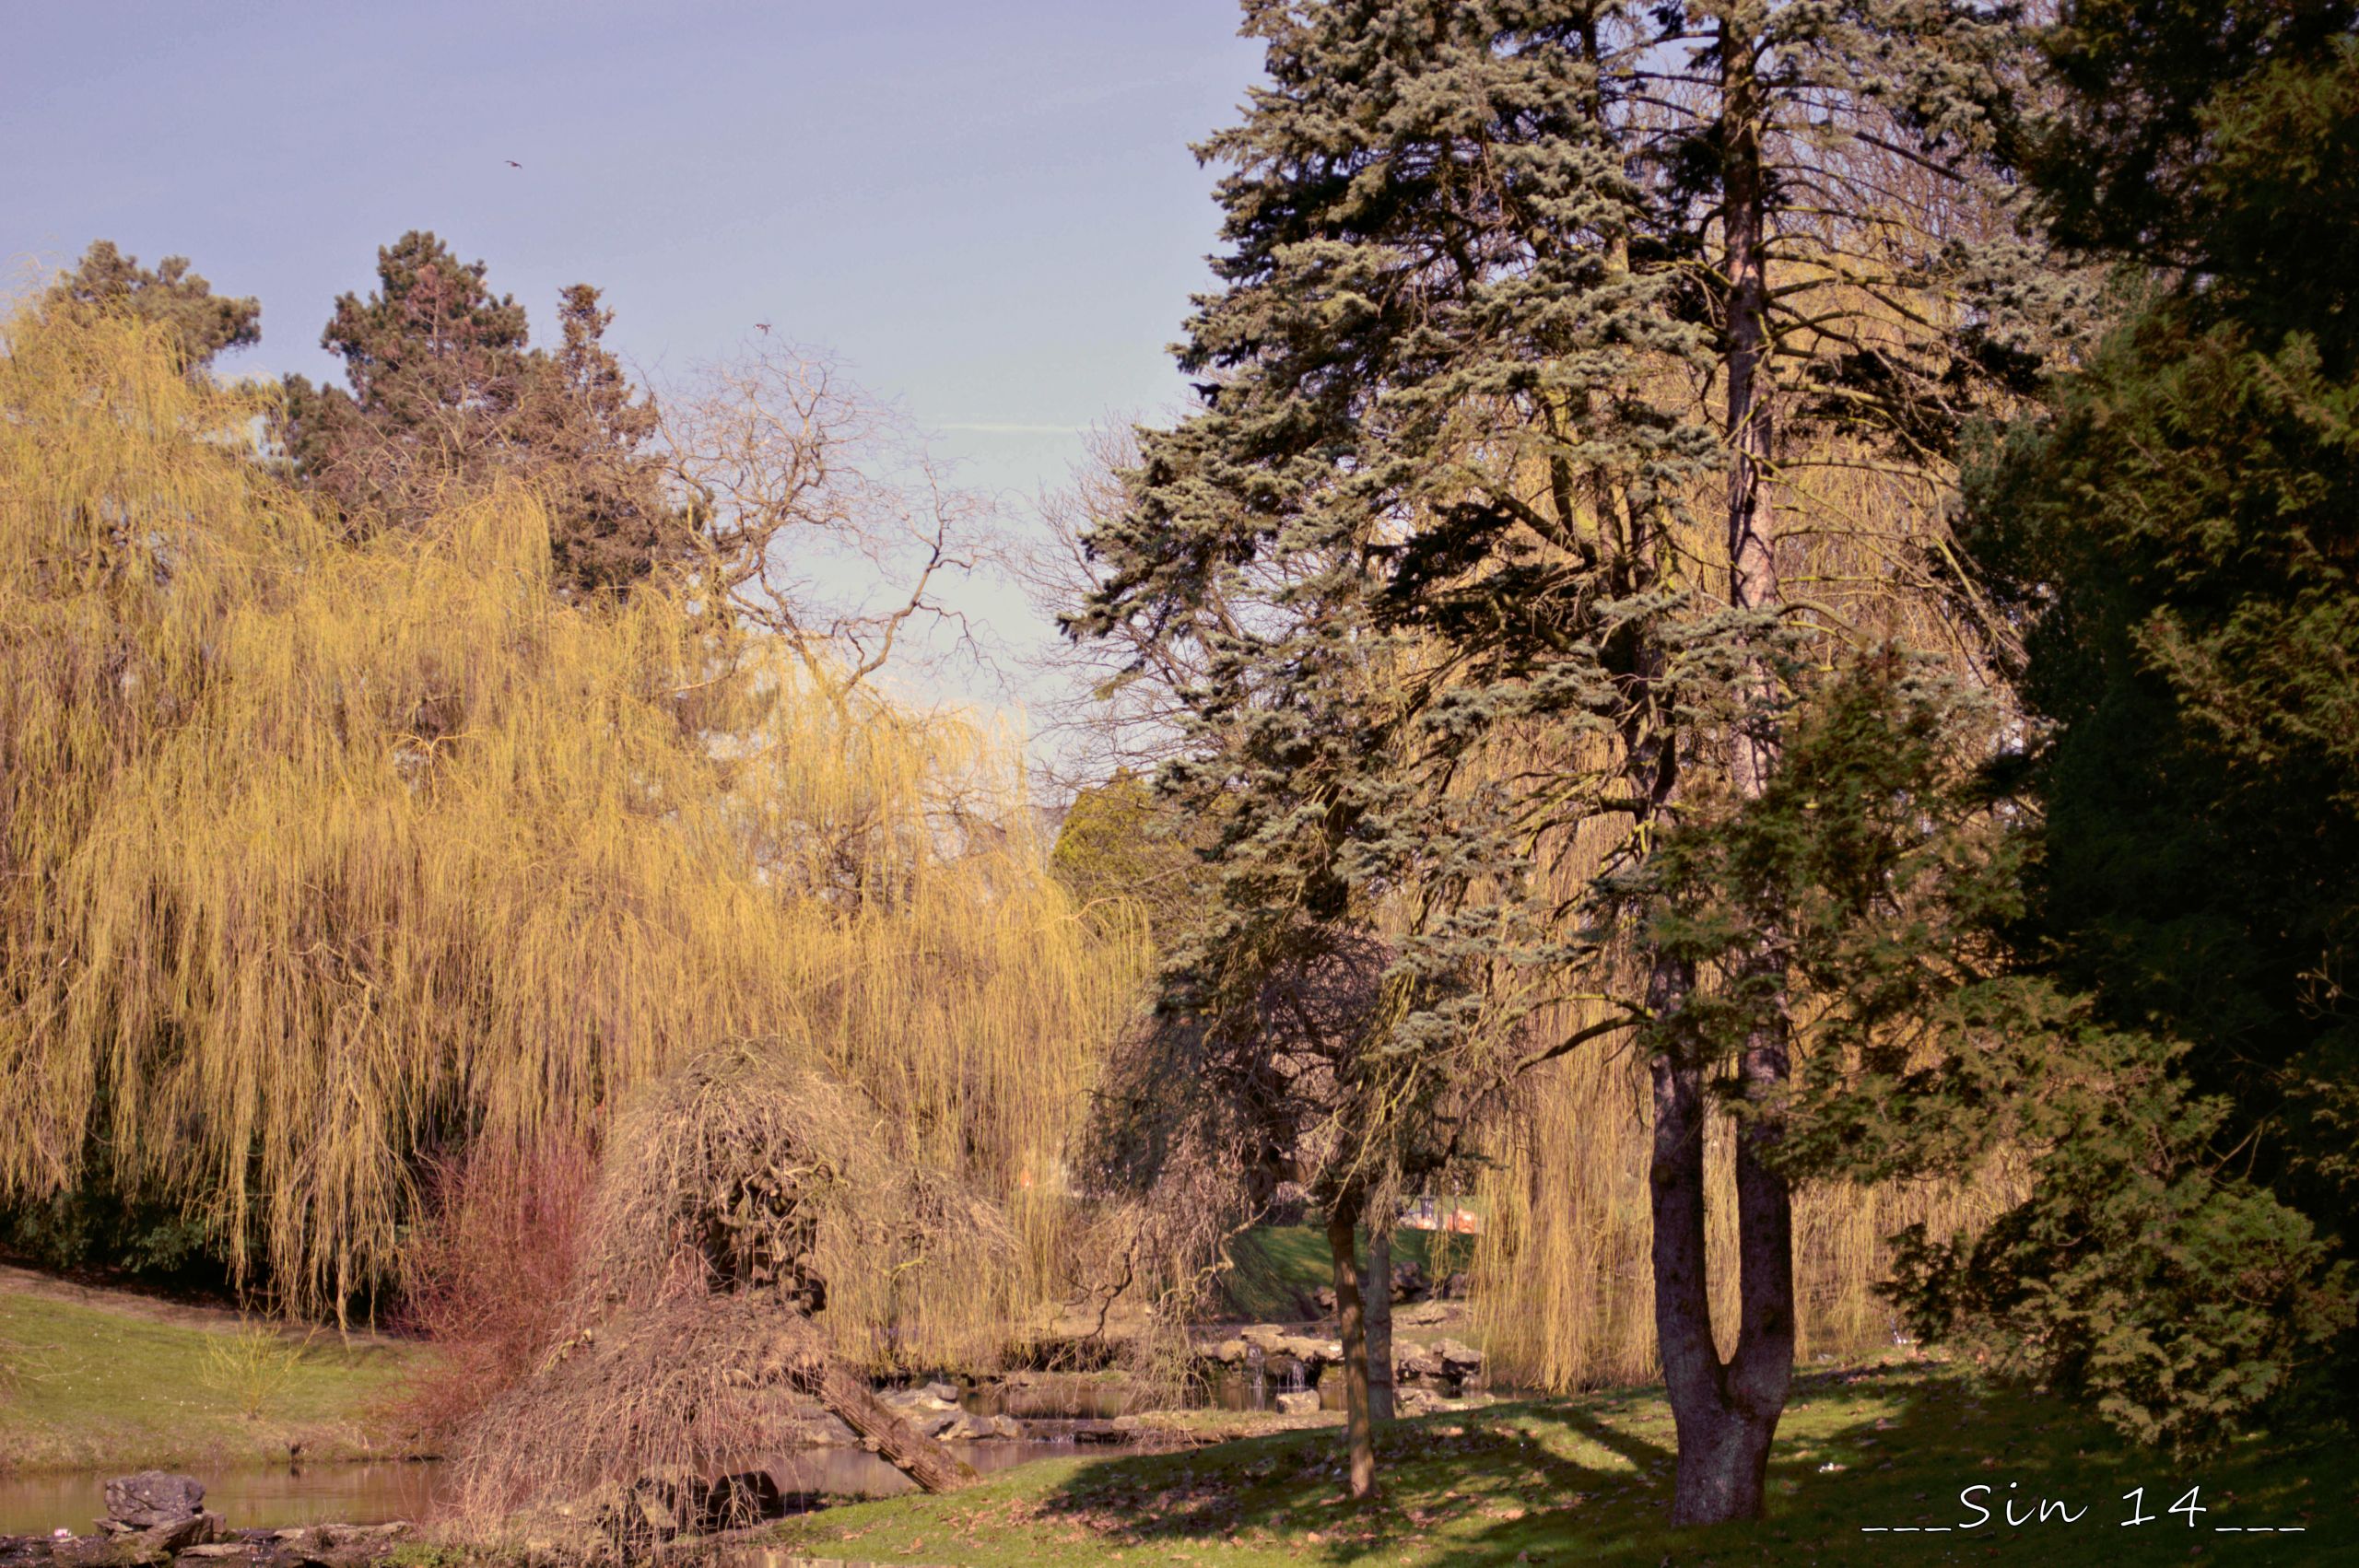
989	211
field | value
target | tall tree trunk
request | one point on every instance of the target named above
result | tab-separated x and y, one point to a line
1727	1414
1377	1305
1342	1221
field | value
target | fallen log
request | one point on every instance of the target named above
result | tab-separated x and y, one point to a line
797	1358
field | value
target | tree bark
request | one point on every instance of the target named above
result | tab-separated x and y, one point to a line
1342	1221
1727	1414
912	1452
1377	1306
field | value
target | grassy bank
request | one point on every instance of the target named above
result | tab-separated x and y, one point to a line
1589	1480
1278	1266
84	1385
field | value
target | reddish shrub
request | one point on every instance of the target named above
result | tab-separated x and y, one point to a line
490	1270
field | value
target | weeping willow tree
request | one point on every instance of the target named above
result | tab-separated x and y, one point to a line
321	855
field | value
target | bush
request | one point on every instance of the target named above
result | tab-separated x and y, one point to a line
490	1271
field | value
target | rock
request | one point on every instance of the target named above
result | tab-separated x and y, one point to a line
1230	1352
154	1497
1458	1359
1454	1287
104	1551
217	1552
1409	1281
1302	1404
194	1530
942	1391
1412	1360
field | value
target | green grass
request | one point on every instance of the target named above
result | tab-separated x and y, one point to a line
1279	1266
83	1386
1587	1480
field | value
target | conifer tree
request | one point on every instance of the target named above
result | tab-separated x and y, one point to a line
2175	537
1482	261
446	396
203	323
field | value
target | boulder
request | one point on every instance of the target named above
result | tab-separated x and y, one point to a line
154	1497
1409	1281
194	1530
1302	1404
1412	1360
1458	1359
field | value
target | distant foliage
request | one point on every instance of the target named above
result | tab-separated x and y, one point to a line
198	324
446	400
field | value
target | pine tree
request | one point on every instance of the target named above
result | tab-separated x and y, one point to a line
203	323
446	396
1482	261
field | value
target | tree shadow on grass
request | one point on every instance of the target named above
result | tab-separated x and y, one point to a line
1862	1456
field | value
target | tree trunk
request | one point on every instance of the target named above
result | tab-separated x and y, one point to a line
1725	1413
1343	1220
912	1452
1377	1306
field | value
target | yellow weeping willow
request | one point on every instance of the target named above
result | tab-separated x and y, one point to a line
314	851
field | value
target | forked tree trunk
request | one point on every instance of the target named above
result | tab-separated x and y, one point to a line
1343	1220
1727	1414
1377	1305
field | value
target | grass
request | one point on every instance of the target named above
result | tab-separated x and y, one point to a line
1588	1480
82	1385
1279	1266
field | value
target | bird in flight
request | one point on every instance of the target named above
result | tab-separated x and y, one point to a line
762	327
513	164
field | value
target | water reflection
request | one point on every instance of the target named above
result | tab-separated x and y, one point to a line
316	1494
370	1494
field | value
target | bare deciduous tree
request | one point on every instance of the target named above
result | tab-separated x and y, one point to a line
824	517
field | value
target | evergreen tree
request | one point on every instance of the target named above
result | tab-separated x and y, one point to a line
446	396
2176	538
1482	259
202	323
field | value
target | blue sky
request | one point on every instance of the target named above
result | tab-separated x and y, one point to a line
988	210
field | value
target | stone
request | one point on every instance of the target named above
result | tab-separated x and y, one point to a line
154	1497
104	1551
942	1391
1412	1360
1302	1404
1458	1359
194	1530
217	1552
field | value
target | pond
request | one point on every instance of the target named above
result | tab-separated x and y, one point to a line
373	1493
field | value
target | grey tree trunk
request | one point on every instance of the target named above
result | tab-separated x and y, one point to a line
1377	1306
1342	1221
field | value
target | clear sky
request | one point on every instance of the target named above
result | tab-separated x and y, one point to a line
988	209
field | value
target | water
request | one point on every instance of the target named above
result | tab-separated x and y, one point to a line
375	1493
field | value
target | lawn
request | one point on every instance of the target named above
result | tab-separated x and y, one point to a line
84	1385
1587	1480
1278	1266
